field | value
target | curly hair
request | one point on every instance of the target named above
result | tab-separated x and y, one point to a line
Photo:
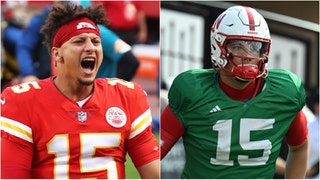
63	12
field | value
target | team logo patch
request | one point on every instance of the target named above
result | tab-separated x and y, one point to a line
82	25
116	117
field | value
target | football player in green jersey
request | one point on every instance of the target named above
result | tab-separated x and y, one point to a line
232	118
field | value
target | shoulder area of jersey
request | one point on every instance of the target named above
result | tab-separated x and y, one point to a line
283	76
24	88
281	72
125	86
197	72
195	75
24	92
118	83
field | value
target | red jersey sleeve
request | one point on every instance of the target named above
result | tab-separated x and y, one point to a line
298	130
13	166
16	137
142	145
143	148
171	130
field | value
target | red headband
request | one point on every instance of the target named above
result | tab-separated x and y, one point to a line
73	28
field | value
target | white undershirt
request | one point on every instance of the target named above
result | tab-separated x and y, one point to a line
81	103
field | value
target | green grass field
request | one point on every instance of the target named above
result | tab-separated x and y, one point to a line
131	172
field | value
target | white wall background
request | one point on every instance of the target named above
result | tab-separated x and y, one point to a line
288	54
181	43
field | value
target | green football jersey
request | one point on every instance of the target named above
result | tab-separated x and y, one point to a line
226	138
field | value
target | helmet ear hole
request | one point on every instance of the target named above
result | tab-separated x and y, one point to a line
222	62
219	38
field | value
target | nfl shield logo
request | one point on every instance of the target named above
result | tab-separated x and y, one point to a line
82	116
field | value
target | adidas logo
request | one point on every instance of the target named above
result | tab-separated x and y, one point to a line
215	109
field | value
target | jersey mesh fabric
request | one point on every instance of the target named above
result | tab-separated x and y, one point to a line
226	138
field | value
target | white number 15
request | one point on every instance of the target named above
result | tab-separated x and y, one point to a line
224	128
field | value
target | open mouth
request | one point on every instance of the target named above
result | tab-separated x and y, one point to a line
88	65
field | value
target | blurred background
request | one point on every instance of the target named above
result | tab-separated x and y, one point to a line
185	44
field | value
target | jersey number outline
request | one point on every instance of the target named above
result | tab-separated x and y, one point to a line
246	126
89	142
114	81
24	87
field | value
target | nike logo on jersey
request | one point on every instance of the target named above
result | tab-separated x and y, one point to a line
3	101
215	109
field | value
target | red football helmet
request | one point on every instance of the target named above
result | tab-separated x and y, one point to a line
244	29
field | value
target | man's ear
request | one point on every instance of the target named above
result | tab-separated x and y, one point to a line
56	53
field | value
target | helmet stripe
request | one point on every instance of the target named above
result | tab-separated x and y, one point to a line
218	21
251	19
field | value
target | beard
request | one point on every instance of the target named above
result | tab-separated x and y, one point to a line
85	83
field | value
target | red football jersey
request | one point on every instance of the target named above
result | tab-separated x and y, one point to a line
59	139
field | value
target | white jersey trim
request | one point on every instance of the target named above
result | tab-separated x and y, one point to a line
141	123
16	129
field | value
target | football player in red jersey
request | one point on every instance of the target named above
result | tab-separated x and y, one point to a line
74	125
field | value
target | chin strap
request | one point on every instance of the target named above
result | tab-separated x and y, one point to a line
258	87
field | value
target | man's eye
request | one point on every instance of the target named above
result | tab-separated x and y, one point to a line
78	41
237	47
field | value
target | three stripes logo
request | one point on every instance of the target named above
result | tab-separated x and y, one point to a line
215	109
